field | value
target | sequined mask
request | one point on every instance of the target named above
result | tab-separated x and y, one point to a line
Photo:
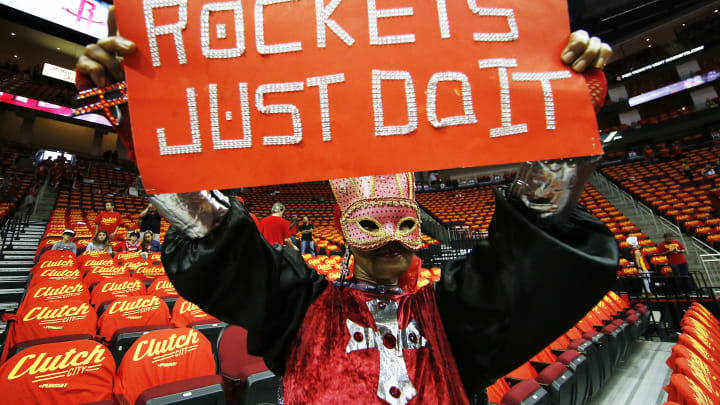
376	210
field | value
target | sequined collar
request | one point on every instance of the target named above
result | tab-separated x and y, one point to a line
371	287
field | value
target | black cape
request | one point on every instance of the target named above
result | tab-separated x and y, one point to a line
504	302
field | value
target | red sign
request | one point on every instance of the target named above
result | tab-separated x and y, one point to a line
244	93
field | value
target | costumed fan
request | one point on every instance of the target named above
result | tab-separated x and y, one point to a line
375	338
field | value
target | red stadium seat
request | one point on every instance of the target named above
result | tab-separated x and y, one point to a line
163	357
185	313
54	291
684	390
148	272
162	287
55	273
64	373
51	319
97	274
131	311
92	254
58	255
109	289
100	260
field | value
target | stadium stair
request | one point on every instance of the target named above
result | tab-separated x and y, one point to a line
648	222
15	267
45	203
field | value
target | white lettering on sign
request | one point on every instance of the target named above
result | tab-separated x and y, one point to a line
322	83
246	141
322	18
175	29
195	146
374	14
263	48
469	115
236	8
507	128
291	109
495	12
443	19
544	79
385	130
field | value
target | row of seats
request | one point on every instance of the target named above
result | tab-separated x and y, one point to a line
623	228
694	362
665	189
577	364
138	339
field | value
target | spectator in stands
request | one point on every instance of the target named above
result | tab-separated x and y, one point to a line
677	151
674	251
714	197
716	166
640	262
149	243
708	170
132	243
293	230
101	242
150	221
686	169
66	243
108	220
649	155
307	245
275	228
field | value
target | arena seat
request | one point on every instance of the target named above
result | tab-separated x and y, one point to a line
53	291
237	367
109	289
50	319
167	362
58	255
556	378
687	392
148	272
206	390
132	311
69	274
163	288
526	392
96	274
39	374
699	372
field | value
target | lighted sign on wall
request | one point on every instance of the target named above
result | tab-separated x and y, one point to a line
86	16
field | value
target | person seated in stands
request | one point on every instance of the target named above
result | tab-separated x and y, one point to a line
101	242
677	151
708	170
665	155
108	220
649	155
716	166
132	243
66	243
686	169
149	243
